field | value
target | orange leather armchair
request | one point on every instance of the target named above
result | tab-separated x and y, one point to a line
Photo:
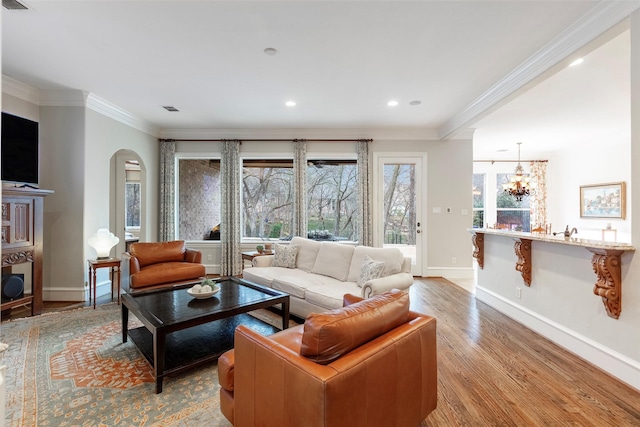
158	264
389	380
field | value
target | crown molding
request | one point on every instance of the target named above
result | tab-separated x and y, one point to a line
601	18
302	133
106	108
20	90
63	98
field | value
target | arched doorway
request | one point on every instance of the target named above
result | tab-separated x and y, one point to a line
128	203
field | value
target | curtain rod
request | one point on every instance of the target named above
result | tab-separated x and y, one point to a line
264	140
507	161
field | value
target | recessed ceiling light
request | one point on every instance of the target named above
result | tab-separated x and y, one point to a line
270	51
415	102
290	103
576	62
392	103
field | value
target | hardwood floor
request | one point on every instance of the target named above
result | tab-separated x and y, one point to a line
492	371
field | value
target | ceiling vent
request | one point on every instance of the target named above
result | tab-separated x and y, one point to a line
170	108
13	5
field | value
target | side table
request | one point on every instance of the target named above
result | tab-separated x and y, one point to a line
94	264
249	256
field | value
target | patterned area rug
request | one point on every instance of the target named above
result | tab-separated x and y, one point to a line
72	369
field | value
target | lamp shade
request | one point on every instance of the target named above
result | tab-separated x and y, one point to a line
102	242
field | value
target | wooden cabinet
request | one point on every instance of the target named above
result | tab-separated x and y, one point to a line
22	228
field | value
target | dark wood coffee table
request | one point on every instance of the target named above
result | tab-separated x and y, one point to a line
181	331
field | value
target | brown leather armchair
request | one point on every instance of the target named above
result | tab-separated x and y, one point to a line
371	363
156	264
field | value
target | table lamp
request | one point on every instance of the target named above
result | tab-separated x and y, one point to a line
102	242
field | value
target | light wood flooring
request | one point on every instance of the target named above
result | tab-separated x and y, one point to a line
492	371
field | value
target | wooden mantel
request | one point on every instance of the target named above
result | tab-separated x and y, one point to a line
606	260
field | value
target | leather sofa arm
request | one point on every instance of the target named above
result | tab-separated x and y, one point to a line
383	284
193	256
129	265
262	261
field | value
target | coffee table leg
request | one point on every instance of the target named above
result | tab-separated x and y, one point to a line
285	314
158	358
125	322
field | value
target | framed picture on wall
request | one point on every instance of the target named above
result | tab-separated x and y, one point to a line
603	200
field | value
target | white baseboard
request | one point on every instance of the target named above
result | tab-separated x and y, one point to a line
76	294
450	272
618	365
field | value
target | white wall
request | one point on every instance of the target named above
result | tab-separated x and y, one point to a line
603	162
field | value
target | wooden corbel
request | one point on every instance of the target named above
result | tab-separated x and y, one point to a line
523	265
606	264
478	248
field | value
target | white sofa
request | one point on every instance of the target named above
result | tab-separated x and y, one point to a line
325	271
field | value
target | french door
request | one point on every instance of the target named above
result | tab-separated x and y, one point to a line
398	198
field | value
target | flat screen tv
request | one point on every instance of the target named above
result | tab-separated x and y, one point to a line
20	151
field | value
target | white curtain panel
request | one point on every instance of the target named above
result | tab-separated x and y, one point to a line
538	206
231	263
167	190
365	225
299	221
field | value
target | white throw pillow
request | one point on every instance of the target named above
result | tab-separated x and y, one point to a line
285	256
371	269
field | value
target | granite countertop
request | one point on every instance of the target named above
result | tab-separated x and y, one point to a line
550	238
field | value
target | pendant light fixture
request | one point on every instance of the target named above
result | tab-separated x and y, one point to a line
518	185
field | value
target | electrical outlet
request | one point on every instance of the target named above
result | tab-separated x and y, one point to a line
209	257
453	260
518	292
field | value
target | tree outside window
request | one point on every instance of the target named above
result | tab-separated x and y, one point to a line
478	200
332	199
267	198
511	214
399	204
132	204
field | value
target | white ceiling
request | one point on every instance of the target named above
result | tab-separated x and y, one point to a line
340	61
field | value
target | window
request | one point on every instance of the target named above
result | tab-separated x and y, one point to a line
267	198
198	211
479	200
132	204
332	199
511	214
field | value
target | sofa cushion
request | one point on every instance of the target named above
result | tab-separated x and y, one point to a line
149	253
285	256
392	258
327	336
333	260
329	295
307	252
166	272
371	269
295	282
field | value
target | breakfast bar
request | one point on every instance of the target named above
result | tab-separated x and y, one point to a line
606	260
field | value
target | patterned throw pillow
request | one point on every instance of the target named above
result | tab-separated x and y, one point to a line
371	269
285	256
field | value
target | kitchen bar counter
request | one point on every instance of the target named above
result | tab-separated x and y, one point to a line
605	261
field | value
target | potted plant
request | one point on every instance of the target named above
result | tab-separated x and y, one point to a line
260	249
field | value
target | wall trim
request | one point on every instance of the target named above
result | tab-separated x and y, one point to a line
20	90
63	98
106	108
451	272
291	133
602	17
616	364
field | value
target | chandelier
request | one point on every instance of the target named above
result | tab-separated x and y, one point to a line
518	185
